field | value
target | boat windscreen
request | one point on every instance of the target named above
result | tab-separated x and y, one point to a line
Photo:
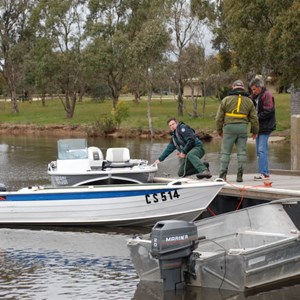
72	149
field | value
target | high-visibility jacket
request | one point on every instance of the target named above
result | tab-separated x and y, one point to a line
237	108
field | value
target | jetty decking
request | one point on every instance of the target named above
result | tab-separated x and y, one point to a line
282	184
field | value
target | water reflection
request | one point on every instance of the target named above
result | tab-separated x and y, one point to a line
80	263
45	264
24	160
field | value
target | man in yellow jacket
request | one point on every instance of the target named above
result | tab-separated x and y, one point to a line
234	113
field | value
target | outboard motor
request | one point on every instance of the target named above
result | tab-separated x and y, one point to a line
173	242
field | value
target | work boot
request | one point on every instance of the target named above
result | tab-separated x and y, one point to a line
223	175
204	174
239	177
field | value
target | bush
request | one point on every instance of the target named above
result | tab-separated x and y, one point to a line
120	113
109	123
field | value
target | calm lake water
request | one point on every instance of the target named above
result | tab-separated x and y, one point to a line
93	263
24	160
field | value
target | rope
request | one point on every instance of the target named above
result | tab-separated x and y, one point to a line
242	190
185	161
168	159
184	168
211	211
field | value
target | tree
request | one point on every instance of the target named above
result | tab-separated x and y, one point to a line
185	29
221	69
283	43
16	38
262	37
63	22
114	26
146	54
108	30
40	68
211	12
193	67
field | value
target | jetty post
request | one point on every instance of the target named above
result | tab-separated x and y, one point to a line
295	129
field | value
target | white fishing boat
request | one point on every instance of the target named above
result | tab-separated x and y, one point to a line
77	164
243	250
114	205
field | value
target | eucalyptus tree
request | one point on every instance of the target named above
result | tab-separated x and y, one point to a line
146	57
108	31
16	38
114	29
40	68
185	29
283	42
62	22
248	24
150	40
262	37
212	13
192	69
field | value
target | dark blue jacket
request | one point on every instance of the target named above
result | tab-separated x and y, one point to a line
183	139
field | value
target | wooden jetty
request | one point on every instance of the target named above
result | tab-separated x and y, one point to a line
282	184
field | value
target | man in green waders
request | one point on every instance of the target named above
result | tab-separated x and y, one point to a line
234	113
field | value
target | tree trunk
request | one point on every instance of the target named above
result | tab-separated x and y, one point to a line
114	85
194	102
137	97
14	102
295	129
180	98
81	92
204	98
149	114
43	96
68	105
73	103
12	91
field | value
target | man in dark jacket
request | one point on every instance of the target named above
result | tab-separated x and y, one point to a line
265	107
190	150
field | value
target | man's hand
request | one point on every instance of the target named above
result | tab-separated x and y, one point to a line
157	161
182	155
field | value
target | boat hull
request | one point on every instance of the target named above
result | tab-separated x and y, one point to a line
276	262
103	177
116	205
243	250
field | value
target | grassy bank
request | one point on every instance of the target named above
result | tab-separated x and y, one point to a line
89	112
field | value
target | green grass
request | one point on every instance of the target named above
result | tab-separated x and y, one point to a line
87	112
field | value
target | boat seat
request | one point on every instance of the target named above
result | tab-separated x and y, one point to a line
95	157
118	158
118	155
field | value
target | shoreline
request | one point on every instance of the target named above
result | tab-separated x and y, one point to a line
73	131
77	131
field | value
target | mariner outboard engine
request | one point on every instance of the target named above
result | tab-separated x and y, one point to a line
173	242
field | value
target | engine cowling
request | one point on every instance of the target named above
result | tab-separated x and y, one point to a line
172	243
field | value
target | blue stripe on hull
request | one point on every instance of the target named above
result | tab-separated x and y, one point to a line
80	195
